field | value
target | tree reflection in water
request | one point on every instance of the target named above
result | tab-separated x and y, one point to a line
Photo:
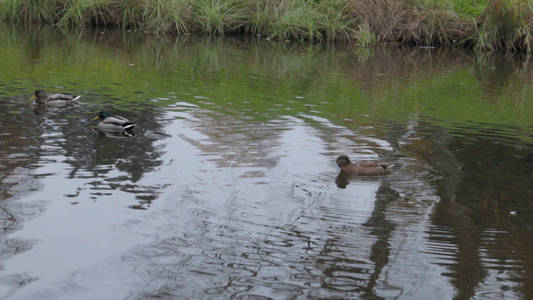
478	197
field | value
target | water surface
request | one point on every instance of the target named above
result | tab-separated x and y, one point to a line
230	188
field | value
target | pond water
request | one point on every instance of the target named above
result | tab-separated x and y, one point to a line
229	187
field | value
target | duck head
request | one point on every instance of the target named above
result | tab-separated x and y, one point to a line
101	115
38	94
342	161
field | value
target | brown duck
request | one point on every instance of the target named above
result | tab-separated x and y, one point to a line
363	167
40	97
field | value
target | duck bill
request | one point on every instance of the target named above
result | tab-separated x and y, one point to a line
33	98
95	118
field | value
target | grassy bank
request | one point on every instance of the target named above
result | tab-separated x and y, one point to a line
481	24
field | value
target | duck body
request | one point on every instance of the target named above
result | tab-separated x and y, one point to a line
113	123
363	167
40	97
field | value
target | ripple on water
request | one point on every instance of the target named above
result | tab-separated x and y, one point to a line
231	174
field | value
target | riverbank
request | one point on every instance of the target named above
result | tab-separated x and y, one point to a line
483	24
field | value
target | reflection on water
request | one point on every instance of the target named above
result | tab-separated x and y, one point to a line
229	187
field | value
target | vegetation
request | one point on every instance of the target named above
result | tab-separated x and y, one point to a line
481	24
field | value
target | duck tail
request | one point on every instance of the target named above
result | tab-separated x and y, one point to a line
76	98
128	133
128	125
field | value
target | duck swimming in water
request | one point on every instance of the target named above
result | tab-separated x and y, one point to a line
110	123
363	167
40	97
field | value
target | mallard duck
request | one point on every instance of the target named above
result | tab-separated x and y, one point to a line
363	167
113	123
40	97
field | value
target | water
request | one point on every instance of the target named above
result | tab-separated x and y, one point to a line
230	188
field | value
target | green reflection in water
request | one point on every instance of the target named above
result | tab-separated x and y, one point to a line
450	89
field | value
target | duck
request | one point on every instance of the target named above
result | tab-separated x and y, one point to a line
40	97
363	167
110	123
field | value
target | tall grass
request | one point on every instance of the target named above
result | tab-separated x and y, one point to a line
294	20
166	16
506	25
336	22
482	24
27	11
218	16
75	12
364	36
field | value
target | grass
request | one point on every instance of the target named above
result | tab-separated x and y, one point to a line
166	16
486	25
506	25
216	17
364	36
26	11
